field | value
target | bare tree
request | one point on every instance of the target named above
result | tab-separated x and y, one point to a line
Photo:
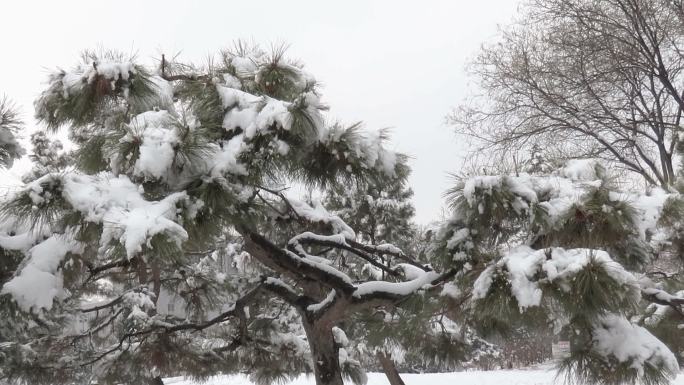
584	78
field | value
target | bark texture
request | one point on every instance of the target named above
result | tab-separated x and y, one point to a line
389	368
324	352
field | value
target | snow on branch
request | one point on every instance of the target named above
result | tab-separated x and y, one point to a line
615	337
335	241
525	269
318	214
325	303
287	262
663	298
40	282
381	289
118	204
253	114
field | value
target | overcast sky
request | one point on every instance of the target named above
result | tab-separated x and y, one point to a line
397	64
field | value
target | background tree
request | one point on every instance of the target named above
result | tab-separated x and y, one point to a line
380	213
564	251
413	334
10	149
584	78
47	156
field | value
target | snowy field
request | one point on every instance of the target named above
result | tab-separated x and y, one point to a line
498	377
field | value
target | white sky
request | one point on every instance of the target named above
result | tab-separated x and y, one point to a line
396	64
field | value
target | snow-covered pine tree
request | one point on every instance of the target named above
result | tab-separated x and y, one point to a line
10	150
565	250
378	212
536	162
10	124
664	317
178	171
47	156
383	214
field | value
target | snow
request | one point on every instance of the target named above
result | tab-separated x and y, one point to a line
73	82
307	235
340	336
483	283
542	376
111	71
523	265
486	183
280	283
581	169
662	295
375	155
320	264
118	204
39	282
318	213
22	241
554	193
252	113
450	290
293	341
368	149
410	272
650	207
138	303
164	92
388	248
244	66
615	336
318	306
459	236
224	160
396	288
159	140
557	193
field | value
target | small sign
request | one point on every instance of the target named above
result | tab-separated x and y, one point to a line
560	349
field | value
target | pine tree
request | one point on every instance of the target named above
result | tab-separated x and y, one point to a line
383	214
379	212
537	162
47	156
171	246
10	124
563	251
664	315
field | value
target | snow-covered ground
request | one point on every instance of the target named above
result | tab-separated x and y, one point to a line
497	377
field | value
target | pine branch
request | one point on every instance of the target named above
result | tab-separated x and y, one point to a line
400	255
663	298
286	262
301	240
285	292
167	77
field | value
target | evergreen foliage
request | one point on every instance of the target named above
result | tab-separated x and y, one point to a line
554	251
165	243
10	125
416	333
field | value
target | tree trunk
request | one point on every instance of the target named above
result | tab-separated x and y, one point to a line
324	352
389	368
